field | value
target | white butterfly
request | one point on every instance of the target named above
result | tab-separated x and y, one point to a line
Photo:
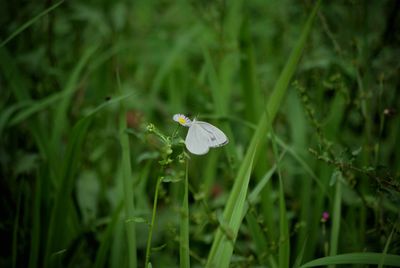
201	135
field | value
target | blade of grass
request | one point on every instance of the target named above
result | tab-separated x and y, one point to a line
385	250
250	86
256	231
16	227
220	104
209	174
37	106
60	119
336	217
118	247
176	52
20	86
261	184
30	22
300	256
222	247
260	241
304	165
17	82
184	256
57	234
128	183
7	113
284	239
36	219
106	239
151	227
371	258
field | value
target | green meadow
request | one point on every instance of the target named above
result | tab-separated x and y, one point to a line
95	172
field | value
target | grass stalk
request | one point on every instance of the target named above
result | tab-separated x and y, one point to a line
184	224
128	184
151	227
333	247
369	258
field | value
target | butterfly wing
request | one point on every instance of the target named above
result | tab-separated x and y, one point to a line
215	136
197	140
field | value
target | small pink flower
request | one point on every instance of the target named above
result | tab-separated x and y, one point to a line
325	216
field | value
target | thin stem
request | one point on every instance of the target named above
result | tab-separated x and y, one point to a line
153	217
184	239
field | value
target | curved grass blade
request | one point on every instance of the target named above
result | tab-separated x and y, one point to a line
222	247
384	253
371	258
30	22
61	111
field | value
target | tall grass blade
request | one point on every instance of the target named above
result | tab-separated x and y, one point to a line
177	50
30	22
248	71
370	258
35	232
128	184
385	250
221	102
184	224
284	239
16	227
299	258
57	236
60	120
336	215
106	239
258	237
222	247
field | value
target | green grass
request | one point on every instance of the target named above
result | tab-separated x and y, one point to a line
95	172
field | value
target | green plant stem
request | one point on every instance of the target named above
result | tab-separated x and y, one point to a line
184	239
326	245
153	217
336	219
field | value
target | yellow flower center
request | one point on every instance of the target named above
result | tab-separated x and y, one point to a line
182	120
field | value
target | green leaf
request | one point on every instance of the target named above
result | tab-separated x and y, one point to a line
370	258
